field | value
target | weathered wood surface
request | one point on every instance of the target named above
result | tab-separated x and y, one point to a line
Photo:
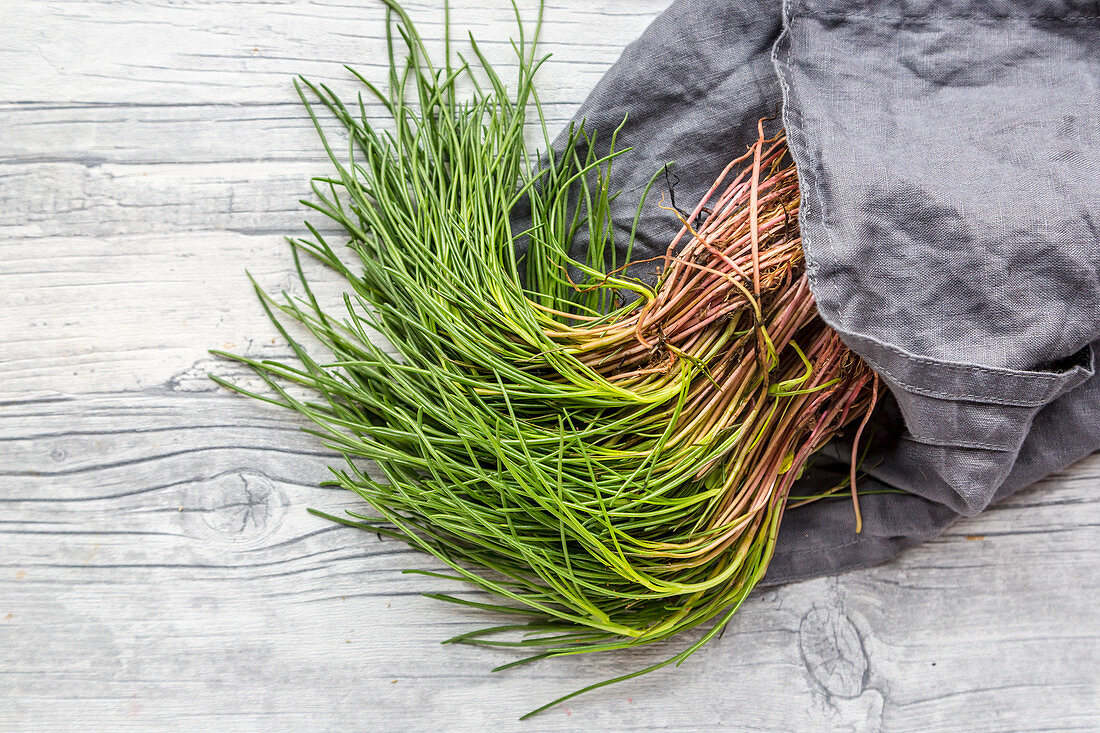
158	569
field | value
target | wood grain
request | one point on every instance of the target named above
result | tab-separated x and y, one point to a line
159	570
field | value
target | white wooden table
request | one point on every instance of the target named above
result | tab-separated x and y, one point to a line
158	568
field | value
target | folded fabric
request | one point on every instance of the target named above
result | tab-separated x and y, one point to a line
949	158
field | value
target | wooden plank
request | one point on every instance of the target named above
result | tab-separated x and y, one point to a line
159	549
244	52
159	569
175	523
77	317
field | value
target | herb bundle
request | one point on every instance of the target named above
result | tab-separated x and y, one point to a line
613	472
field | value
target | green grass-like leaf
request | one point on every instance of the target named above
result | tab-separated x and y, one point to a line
613	471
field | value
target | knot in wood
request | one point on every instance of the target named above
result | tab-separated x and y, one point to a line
833	652
242	507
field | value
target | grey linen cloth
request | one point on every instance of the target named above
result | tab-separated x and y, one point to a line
949	158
